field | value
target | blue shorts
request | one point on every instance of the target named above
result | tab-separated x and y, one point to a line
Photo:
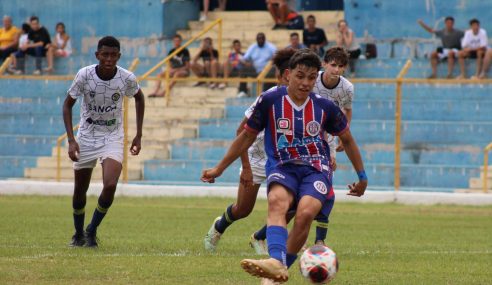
302	180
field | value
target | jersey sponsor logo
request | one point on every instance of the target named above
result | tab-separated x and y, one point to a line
101	109
92	94
320	186
115	97
283	124
276	175
101	122
313	128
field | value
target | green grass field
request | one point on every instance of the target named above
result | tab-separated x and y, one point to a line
160	241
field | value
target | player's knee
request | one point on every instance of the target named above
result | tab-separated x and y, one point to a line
277	202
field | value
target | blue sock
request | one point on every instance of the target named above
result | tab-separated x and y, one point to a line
226	220
321	229
99	213
277	243
291	258
261	234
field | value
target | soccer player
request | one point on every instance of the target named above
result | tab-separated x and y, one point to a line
295	121
101	88
252	172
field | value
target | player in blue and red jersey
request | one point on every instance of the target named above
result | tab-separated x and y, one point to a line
298	170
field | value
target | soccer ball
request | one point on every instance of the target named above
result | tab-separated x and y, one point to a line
319	264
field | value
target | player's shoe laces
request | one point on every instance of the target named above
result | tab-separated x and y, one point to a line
267	268
212	238
77	240
258	245
91	239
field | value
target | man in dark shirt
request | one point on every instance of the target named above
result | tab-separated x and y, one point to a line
180	66
314	38
39	40
210	62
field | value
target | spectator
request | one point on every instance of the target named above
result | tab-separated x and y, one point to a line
295	42
9	38
62	46
39	42
346	39
233	65
23	40
474	46
210	59
284	16
180	66
314	38
255	59
486	64
451	44
206	4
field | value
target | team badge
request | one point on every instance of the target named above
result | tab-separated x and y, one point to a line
92	94
312	128
115	97
320	186
283	124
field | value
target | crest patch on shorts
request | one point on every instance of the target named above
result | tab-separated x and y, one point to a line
320	186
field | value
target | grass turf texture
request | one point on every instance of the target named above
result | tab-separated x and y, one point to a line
160	241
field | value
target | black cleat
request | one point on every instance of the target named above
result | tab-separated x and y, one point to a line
77	240
91	239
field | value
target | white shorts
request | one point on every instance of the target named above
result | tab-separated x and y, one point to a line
259	175
89	155
445	52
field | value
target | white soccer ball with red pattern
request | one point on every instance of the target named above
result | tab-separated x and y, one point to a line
319	264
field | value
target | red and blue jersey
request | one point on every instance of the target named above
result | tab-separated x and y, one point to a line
294	134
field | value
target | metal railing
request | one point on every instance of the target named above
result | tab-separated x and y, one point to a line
486	167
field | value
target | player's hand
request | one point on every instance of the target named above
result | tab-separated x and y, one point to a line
136	145
246	177
73	150
340	146
209	175
357	189
333	163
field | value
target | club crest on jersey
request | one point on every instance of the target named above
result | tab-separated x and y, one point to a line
320	186
92	94
312	128
115	97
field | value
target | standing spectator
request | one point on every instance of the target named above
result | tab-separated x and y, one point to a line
62	46
233	65
180	67
474	46
284	16
206	4
39	43
346	39
295	42
9	38
210	59
314	38
451	44
255	59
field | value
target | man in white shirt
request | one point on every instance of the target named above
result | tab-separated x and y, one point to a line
474	45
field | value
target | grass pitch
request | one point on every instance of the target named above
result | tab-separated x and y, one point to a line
160	241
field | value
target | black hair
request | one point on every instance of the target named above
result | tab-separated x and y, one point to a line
337	54
305	57
236	42
178	36
294	34
474	21
281	59
449	18
311	17
33	18
260	34
108	41
26	28
60	24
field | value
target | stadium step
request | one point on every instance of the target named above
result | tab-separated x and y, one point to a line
67	173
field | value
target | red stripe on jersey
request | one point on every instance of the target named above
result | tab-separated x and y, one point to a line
309	117
288	113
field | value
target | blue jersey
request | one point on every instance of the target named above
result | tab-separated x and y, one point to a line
294	134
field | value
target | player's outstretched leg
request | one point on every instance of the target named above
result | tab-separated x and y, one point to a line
82	180
111	173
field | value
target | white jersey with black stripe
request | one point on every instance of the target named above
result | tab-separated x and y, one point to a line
102	104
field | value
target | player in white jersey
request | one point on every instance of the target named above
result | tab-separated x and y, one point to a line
101	87
252	171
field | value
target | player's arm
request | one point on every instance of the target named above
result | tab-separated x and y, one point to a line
140	110
353	153
73	147
246	177
423	25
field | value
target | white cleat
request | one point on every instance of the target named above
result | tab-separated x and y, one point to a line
212	238
258	245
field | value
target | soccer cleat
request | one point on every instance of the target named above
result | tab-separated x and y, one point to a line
267	268
91	239
258	245
212	238
77	240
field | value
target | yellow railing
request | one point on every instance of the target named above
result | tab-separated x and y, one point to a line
5	65
61	138
261	77
486	167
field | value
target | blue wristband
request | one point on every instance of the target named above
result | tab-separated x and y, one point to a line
362	175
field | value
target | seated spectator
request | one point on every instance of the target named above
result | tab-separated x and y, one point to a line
451	44
314	38
39	42
285	17
62	46
206	4
295	42
254	60
210	62
233	65
23	40
180	67
474	45
486	64
346	39
9	38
